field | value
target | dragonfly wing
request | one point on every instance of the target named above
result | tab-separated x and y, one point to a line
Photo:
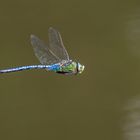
42	52
56	44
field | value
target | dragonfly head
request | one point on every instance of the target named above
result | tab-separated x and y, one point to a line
80	68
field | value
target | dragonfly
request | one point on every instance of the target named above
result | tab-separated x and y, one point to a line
53	57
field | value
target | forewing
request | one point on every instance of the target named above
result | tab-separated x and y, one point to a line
56	44
42	52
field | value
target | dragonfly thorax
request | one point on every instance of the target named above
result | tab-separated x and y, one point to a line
70	67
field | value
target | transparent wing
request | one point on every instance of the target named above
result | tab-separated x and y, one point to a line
42	52
56	44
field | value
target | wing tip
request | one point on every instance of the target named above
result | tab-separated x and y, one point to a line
51	29
32	36
33	39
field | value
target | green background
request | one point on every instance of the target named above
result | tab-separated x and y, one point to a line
96	105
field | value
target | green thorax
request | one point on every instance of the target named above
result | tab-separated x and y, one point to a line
69	68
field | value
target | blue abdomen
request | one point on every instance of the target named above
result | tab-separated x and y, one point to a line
54	67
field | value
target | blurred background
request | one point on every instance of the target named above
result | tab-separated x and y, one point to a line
102	103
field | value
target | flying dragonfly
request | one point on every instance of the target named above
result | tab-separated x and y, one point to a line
52	58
